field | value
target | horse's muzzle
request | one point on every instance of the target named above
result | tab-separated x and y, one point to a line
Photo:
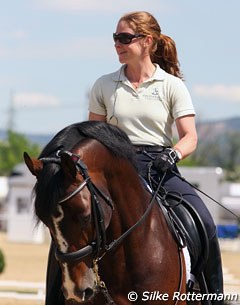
82	296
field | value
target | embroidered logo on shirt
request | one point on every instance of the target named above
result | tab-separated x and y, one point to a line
147	94
155	91
152	96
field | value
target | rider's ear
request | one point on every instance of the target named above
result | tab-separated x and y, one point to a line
147	41
34	165
68	166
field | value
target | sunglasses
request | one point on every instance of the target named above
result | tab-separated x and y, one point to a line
125	38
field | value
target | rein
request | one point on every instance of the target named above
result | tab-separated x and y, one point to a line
99	244
119	240
205	194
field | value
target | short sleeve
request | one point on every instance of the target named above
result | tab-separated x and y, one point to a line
181	101
96	101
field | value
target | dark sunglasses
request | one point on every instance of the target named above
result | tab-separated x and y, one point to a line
125	38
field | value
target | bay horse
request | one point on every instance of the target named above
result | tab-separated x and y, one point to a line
112	241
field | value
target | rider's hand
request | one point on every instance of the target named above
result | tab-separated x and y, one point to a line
166	159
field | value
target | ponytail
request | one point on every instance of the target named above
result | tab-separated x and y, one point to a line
166	56
163	51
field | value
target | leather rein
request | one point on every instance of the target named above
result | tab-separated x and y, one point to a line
99	247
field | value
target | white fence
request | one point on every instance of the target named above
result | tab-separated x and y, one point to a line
22	290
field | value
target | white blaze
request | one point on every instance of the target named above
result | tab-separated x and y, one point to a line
68	284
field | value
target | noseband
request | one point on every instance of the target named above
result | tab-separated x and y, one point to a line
100	242
99	245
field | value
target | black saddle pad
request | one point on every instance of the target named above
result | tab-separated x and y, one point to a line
187	220
184	223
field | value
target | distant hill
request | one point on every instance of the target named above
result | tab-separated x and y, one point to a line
2	134
207	130
39	139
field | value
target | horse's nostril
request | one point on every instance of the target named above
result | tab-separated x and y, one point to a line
88	293
84	294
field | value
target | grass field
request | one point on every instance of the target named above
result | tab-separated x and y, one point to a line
27	262
24	262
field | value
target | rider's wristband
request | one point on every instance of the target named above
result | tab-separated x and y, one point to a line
179	155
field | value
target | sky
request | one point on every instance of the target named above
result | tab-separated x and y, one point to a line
52	52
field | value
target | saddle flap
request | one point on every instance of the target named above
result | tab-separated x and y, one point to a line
188	220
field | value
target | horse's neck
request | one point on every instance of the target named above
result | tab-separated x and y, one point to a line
129	195
122	183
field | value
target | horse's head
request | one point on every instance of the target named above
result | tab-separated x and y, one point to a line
77	212
96	162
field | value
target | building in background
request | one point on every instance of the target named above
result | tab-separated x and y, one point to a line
17	208
21	222
208	180
3	206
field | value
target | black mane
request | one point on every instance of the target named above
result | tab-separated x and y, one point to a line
109	135
48	188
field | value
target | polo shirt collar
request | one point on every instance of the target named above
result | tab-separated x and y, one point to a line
119	75
159	73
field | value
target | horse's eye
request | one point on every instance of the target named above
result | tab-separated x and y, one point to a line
84	220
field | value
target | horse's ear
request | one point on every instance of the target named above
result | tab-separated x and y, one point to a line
34	165
68	166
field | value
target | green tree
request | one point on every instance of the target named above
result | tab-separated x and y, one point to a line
232	163
2	261
11	151
222	151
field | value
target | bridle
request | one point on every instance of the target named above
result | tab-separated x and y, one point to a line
99	244
99	247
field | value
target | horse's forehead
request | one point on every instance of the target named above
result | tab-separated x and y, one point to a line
69	213
80	202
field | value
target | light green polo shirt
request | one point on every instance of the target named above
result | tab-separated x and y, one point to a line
147	113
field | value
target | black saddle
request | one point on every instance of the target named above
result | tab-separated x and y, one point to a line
186	222
186	226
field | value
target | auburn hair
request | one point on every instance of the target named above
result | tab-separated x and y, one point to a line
163	50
